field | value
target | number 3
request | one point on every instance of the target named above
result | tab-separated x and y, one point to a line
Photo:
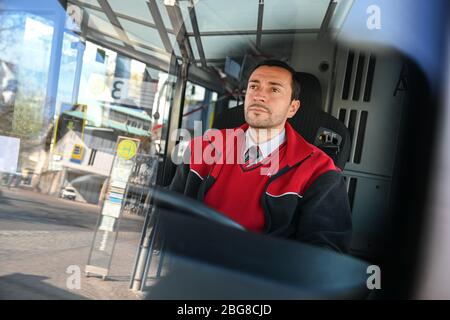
117	89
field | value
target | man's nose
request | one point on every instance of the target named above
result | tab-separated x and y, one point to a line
259	96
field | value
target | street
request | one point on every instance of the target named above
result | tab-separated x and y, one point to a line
42	237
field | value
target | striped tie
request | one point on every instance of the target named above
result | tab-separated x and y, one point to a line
252	155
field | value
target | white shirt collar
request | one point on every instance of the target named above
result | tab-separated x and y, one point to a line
266	147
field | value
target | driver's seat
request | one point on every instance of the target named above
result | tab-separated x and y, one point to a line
315	125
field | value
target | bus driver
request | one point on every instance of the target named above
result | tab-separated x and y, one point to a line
303	198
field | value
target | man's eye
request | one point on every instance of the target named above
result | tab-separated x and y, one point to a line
252	86
275	90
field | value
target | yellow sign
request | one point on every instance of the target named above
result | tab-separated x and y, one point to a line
126	149
77	153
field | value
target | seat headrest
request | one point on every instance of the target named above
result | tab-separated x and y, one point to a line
310	90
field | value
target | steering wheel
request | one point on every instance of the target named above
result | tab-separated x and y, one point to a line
183	203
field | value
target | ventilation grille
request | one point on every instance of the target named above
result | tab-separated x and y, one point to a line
358	79
356	122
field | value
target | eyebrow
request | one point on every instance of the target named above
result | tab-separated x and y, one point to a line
270	82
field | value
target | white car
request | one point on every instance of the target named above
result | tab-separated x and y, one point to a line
68	193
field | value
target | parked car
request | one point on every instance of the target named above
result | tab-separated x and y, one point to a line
68	193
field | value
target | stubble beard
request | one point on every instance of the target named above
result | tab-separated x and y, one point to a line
261	121
258	123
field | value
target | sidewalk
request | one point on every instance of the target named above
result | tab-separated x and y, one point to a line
42	275
40	237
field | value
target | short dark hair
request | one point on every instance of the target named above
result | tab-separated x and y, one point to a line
295	84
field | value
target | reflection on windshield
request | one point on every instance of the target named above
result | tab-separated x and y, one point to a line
69	136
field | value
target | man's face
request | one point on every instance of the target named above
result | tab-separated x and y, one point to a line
268	98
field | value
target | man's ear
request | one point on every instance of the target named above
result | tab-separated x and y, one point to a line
295	105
